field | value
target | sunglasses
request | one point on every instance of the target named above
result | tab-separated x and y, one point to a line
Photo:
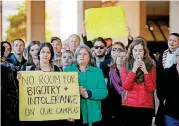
96	47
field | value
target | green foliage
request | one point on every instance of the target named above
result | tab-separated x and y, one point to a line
17	28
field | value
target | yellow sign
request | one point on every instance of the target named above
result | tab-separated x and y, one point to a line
105	22
49	96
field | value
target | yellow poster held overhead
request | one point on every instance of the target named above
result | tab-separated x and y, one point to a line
48	96
105	22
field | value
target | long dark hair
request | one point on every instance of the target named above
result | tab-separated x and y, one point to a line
42	45
46	44
29	57
146	57
101	40
3	42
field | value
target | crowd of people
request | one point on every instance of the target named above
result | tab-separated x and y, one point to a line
116	82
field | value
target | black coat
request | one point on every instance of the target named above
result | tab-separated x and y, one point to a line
9	97
168	91
171	88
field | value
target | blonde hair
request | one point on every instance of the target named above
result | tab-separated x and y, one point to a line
77	36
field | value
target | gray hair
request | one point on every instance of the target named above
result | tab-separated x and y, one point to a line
91	59
77	36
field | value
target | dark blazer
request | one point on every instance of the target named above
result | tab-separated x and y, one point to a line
171	89
9	97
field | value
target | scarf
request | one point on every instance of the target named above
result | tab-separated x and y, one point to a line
170	58
115	79
139	74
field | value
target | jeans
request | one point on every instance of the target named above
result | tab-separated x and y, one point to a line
169	121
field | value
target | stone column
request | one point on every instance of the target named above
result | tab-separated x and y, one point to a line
82	6
134	17
174	16
143	18
36	20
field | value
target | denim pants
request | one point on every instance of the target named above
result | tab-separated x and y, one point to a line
169	121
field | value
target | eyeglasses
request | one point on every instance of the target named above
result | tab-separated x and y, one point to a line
96	47
114	49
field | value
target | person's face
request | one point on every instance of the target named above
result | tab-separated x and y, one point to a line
74	42
121	58
83	57
33	51
18	47
138	52
65	46
67	59
45	55
173	42
115	51
99	49
56	46
57	59
7	49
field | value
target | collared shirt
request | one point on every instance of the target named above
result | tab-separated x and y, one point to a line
171	58
99	61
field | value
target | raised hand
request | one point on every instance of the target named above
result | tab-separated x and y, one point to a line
129	32
83	28
128	29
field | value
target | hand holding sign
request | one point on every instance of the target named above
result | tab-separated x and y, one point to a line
48	96
18	75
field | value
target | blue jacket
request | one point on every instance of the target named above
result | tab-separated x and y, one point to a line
93	81
12	59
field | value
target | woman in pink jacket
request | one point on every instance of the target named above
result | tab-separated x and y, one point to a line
138	77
